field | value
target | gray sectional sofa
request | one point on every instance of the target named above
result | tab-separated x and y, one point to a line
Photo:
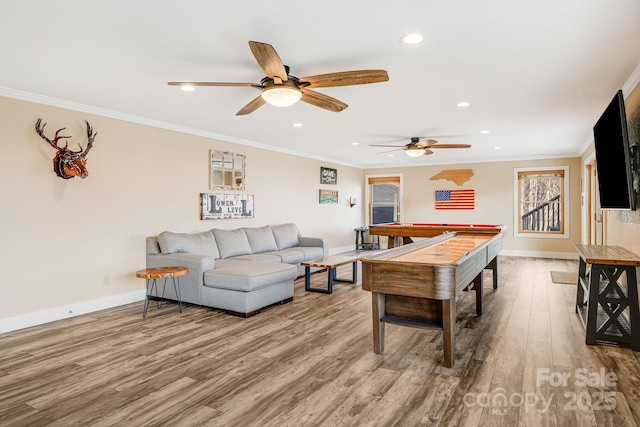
239	271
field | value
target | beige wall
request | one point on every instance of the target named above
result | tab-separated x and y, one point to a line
493	185
72	246
66	242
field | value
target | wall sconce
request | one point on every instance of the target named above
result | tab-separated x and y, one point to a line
352	201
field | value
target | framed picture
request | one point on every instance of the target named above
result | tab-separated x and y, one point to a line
328	196
328	176
226	206
227	171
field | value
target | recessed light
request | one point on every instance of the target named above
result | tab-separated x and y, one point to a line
297	125
463	104
484	131
412	38
355	143
497	147
187	88
389	155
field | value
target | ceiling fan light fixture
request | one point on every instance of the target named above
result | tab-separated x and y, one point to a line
414	152
281	96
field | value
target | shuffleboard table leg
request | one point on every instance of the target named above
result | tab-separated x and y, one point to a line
477	285
448	326
493	266
377	303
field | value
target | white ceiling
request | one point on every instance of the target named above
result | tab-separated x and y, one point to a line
537	73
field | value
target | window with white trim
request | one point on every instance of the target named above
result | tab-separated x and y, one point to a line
541	208
384	199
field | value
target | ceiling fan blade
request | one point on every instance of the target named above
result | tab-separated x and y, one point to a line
427	152
323	101
385	145
268	59
426	142
450	146
212	84
346	78
252	106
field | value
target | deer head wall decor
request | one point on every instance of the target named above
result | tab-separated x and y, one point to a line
68	163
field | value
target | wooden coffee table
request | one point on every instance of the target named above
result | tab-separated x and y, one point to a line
330	263
151	274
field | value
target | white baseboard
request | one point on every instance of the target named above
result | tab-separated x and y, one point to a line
336	251
59	313
536	254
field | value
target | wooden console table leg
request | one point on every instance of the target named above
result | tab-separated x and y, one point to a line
448	326
377	303
582	272
634	312
592	305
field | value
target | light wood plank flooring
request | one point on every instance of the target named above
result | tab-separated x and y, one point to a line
310	363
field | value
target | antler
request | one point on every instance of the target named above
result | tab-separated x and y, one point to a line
54	143
90	137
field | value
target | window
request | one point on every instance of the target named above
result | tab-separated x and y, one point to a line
541	208
384	199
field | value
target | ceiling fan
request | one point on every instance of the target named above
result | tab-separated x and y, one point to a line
417	147
281	89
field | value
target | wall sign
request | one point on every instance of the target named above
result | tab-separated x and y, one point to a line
226	206
328	176
328	196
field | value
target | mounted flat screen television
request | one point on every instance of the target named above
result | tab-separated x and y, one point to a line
613	158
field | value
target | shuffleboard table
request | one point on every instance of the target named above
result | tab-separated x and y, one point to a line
416	285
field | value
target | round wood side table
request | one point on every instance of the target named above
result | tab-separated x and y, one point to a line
152	274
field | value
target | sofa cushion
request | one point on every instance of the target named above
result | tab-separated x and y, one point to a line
265	257
286	235
289	256
232	242
197	244
311	252
248	276
261	239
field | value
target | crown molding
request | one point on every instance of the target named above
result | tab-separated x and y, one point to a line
632	82
103	112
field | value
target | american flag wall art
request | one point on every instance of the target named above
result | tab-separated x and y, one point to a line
455	199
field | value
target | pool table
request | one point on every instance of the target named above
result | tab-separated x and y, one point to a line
395	230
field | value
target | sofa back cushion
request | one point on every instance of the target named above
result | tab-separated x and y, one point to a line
153	248
232	242
286	235
261	239
197	244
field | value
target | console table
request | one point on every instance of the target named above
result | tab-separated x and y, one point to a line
607	294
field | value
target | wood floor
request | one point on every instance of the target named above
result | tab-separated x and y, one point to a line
310	363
